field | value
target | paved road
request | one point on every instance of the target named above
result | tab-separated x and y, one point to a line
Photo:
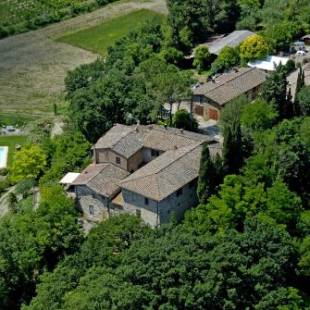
4	203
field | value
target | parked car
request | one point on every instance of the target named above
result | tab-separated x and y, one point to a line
301	53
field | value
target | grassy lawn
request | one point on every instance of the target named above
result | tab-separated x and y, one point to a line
98	39
11	141
15	119
13	12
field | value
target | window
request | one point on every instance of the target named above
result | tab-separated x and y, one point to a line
138	213
180	192
192	184
118	160
91	210
146	201
154	153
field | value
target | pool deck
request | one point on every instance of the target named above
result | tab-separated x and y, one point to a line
4	158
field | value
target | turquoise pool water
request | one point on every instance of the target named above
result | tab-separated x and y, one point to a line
3	156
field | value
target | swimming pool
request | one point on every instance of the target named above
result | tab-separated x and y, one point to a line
3	156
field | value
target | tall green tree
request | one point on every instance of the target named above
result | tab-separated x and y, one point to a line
209	177
202	58
274	91
191	21
232	150
303	99
33	242
29	163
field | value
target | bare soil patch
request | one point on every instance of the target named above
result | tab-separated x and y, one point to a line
33	65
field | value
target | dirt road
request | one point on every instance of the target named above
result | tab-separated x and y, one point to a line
33	65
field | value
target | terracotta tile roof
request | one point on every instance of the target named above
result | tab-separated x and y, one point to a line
231	85
119	200
165	174
177	166
122	140
231	40
127	140
102	178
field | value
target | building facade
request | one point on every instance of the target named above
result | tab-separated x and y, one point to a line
148	171
211	97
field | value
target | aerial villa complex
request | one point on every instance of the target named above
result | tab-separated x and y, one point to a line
150	171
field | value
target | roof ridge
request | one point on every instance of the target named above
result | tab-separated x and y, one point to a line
237	76
123	136
191	148
103	168
179	134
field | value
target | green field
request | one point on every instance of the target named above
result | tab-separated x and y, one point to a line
11	142
14	12
98	39
15	119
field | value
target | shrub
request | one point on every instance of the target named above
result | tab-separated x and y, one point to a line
304	100
202	58
254	47
258	115
183	119
228	58
24	186
4	185
290	66
281	35
172	55
3	172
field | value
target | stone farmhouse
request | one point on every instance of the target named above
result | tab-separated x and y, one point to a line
149	171
211	97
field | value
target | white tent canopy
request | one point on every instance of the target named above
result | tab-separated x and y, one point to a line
269	64
69	178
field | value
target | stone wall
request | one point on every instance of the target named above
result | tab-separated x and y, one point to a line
135	161
176	204
108	156
155	213
136	204
95	207
149	154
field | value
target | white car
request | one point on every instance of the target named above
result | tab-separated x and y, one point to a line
300	53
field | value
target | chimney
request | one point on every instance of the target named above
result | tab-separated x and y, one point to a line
137	126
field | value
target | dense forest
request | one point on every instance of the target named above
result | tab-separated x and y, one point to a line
245	246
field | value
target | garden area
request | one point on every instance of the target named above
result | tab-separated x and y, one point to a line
11	142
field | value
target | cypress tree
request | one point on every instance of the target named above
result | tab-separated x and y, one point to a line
274	91
207	176
232	150
299	85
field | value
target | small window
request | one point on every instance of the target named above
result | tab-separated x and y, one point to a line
192	184
138	213
146	201
154	153
91	210
180	192
118	160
